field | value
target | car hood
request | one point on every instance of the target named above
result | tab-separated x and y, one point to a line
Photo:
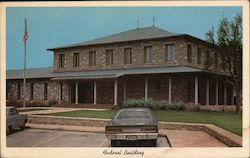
132	122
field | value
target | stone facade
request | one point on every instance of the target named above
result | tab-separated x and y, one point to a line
133	86
158	55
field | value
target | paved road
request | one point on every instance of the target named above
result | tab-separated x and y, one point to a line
55	138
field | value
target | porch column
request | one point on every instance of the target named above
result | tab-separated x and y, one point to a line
146	88
60	92
217	93
207	92
225	93
76	92
196	90
169	90
124	90
233	92
94	92
115	92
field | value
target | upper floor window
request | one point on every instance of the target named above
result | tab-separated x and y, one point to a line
148	54
127	55
223	61
170	52
215	60
109	57
76	60
198	55
189	53
92	58
61	60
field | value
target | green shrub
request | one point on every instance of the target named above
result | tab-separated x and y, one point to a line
193	107
153	104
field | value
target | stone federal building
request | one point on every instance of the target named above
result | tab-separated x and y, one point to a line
140	63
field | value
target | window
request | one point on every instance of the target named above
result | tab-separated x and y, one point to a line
216	60
198	55
207	58
189	53
148	54
45	91
169	52
109	57
92	58
223	61
61	60
31	91
127	55
19	91
76	60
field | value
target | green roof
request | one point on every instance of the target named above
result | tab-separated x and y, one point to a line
131	35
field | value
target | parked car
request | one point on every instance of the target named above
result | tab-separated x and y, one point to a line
14	120
132	124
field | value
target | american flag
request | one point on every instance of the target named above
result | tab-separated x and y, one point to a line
26	36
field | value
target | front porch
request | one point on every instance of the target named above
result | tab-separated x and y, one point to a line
198	88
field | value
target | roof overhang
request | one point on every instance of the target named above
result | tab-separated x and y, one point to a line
114	73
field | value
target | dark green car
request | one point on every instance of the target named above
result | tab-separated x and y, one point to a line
133	125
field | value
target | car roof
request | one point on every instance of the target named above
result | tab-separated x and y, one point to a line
9	107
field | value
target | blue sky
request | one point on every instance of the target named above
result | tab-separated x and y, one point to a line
50	27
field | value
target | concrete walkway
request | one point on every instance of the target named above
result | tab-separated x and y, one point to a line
177	138
50	110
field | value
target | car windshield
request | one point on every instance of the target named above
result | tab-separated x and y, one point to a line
133	114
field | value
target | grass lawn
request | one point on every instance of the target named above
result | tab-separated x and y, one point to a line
229	121
26	110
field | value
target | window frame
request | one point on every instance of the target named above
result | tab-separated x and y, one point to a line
92	58
189	53
127	56
199	54
61	60
148	55
171	56
76	59
109	57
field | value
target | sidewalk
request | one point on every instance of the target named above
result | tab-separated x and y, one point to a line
50	110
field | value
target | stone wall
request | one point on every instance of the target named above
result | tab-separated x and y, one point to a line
158	54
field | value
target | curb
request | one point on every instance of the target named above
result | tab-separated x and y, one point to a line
226	137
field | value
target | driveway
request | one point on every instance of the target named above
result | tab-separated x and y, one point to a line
56	138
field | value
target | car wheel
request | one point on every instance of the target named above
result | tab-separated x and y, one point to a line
8	130
22	127
153	142
114	143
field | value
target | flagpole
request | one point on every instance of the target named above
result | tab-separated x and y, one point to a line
24	67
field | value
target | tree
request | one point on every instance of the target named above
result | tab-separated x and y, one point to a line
229	36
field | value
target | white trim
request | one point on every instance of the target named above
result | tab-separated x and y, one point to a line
115	92
225	93
146	89
169	90
207	92
76	93
217	93
95	92
196	90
